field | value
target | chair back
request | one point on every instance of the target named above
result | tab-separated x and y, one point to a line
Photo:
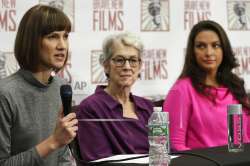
75	148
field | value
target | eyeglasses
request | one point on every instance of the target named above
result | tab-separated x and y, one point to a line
120	61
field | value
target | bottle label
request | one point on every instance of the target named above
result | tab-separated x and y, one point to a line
158	138
158	130
235	134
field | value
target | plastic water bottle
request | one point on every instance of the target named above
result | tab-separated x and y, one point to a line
235	134
158	138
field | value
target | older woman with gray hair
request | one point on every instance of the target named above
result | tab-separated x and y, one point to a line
115	119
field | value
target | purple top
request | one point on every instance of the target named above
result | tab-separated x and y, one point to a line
102	139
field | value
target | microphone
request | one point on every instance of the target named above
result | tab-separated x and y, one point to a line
66	96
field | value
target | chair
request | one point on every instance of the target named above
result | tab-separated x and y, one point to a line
75	148
158	103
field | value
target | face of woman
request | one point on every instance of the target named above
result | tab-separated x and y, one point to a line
53	52
208	51
124	66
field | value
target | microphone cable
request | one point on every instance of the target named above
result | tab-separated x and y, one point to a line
197	155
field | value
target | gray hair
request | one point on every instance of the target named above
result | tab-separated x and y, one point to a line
127	39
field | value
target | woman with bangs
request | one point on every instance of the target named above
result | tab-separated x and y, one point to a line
33	130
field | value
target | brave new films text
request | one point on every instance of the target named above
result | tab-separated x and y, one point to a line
8	15
195	11
108	15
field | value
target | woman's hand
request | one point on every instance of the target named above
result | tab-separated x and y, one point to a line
66	128
64	133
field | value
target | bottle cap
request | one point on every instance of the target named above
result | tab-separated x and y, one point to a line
234	109
157	109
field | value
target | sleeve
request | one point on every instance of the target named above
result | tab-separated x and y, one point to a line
92	139
29	157
246	125
177	104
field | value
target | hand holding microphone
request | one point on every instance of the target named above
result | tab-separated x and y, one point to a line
66	126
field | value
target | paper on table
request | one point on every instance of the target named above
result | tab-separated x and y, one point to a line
126	157
142	158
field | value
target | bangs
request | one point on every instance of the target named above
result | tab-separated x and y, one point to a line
55	21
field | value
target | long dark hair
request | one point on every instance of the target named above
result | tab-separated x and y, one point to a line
224	76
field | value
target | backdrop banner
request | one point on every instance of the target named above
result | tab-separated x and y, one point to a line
163	25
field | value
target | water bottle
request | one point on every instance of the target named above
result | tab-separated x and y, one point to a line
158	138
235	134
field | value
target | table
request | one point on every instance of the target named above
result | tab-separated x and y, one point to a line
217	156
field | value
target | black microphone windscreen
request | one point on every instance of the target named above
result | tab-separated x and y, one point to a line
66	96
